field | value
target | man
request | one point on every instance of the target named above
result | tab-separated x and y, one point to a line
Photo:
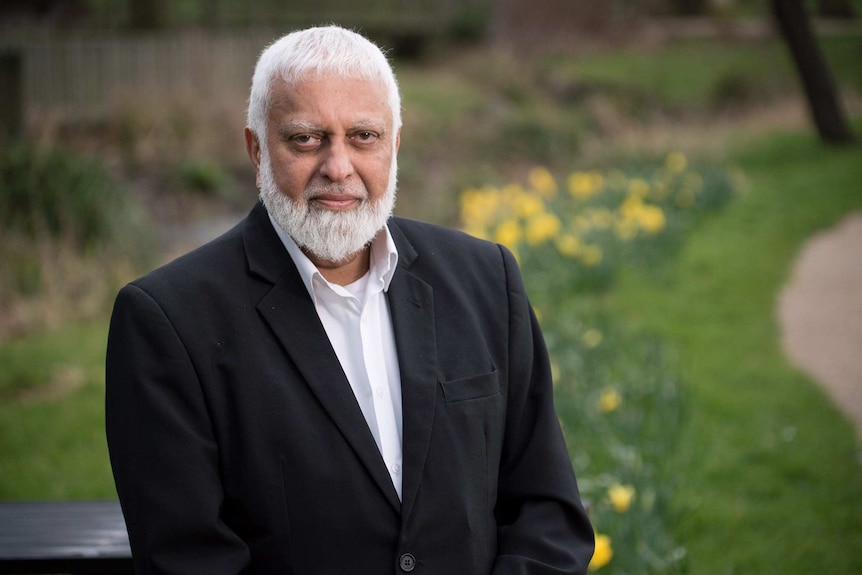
326	389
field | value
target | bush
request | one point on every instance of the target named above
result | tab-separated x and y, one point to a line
205	177
56	193
68	238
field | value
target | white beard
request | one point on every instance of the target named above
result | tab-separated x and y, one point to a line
332	236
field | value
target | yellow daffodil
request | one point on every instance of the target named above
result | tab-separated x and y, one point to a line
477	231
610	400
527	205
479	207
583	185
675	162
541	228
592	338
543	182
638	188
508	233
621	497
651	219
568	245
603	553
591	255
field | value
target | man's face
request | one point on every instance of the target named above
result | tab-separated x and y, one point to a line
327	172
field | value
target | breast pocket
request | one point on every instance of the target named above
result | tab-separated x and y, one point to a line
474	387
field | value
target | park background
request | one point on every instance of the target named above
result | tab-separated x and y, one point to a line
656	167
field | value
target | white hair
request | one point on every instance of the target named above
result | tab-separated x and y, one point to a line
329	51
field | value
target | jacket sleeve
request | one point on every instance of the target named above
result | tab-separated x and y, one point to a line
542	525
163	452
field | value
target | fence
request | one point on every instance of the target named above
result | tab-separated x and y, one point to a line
85	76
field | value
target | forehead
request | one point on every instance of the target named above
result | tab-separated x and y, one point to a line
330	99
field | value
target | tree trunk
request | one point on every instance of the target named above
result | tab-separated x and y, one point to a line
11	96
148	14
822	96
689	7
836	9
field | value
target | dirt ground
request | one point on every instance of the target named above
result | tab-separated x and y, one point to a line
820	313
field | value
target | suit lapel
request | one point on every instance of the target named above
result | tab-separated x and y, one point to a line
411	303
290	313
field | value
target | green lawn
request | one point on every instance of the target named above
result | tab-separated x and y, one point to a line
767	470
52	439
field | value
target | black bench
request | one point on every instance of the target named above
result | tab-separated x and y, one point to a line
75	537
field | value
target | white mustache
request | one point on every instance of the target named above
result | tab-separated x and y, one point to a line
340	191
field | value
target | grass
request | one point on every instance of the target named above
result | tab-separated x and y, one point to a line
768	471
701	75
52	440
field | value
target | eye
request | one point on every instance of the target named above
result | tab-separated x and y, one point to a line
365	137
305	141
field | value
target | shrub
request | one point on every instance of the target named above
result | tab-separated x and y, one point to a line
68	238
56	193
205	177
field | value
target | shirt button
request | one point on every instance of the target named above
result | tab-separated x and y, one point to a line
379	392
407	562
396	469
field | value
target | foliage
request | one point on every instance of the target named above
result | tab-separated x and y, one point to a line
67	233
617	394
54	192
578	236
205	177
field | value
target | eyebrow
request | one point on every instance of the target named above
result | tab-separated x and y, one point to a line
299	126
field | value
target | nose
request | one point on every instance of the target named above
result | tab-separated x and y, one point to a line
337	166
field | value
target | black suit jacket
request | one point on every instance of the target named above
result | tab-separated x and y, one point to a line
238	446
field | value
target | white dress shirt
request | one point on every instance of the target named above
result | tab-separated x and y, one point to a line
356	319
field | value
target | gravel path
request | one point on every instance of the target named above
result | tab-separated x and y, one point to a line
820	313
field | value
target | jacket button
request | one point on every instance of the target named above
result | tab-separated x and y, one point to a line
407	562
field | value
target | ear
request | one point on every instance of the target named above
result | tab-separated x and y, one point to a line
398	139
252	146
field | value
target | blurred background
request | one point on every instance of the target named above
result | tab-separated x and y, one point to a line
656	166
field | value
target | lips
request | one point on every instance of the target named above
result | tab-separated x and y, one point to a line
336	201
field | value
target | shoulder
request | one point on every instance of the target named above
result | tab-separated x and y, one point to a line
437	250
431	238
212	262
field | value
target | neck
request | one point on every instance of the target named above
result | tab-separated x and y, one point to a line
343	272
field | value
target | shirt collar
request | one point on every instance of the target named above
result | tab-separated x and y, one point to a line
384	259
